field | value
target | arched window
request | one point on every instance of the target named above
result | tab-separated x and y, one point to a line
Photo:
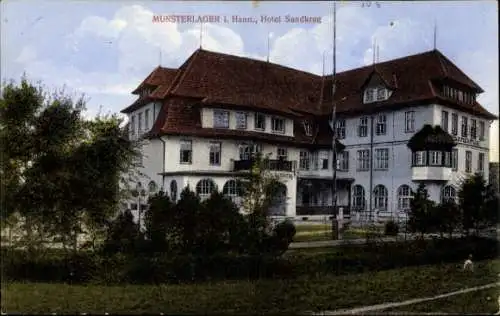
231	189
448	193
380	195
173	190
205	187
358	197
404	197
152	187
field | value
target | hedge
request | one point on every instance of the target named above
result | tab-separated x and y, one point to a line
86	267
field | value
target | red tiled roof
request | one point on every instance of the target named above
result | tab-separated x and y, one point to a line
216	79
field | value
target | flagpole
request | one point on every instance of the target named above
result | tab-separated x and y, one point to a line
334	122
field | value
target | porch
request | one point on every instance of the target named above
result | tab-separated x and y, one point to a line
314	197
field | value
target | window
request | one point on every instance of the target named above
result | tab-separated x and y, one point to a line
324	164
420	158
173	190
454	124
380	196
464	126
232	190
454	159
382	159
358	197
343	161
435	158
247	151
381	124
480	162
221	119
363	160
381	94
481	130
282	154
205	187
448	194
447	159
186	153
404	197
139	123
241	120
468	161
146	119
132	125
314	160
444	120
304	160
215	153
409	121
341	128
369	95
278	125
473	129
260	121
307	128
363	127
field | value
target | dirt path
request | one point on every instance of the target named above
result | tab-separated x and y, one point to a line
380	307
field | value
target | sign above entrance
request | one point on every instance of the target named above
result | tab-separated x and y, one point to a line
464	140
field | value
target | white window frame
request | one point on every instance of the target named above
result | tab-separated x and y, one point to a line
454	124
381	159
482	130
343	161
473	129
186	146
275	125
444	120
257	117
369	95
448	193
215	153
404	197
381	124
341	129
241	120
465	123
221	119
307	128
409	121
363	127
420	158
381	94
304	160
282	153
358	197
435	158
205	187
132	125
146	119
139	123
380	197
363	160
468	161
454	159
480	162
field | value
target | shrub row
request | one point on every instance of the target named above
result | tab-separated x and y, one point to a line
159	268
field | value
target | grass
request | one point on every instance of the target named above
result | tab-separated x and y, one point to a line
477	302
320	232
326	292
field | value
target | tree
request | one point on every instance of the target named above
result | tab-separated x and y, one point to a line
59	170
421	209
476	201
124	235
159	221
446	217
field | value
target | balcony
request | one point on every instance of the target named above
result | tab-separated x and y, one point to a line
272	164
428	173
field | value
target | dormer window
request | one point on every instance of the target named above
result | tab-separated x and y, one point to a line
145	92
307	128
278	125
458	95
375	94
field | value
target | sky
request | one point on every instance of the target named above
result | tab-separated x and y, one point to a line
104	49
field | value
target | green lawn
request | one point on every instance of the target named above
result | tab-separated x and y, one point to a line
475	303
320	232
264	296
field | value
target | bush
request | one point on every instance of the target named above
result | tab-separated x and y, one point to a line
391	228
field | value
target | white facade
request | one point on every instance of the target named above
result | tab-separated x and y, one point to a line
383	185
